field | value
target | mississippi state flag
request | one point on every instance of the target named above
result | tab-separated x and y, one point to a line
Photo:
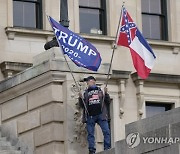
130	36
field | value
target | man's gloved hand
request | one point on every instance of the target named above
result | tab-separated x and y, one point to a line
80	95
105	90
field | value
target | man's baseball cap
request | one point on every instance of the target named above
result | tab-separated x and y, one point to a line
89	78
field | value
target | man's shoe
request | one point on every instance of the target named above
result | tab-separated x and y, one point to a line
91	152
107	149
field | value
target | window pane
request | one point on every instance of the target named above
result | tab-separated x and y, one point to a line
24	14
31	0
17	13
152	26
89	20
151	6
90	3
155	6
156	27
145	5
153	110
156	108
29	15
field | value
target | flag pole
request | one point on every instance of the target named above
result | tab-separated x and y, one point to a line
114	47
79	90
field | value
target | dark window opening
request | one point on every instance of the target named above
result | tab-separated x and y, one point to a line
154	19
153	108
92	16
27	13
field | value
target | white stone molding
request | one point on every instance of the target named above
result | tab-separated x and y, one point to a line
121	78
140	97
139	83
12	31
121	93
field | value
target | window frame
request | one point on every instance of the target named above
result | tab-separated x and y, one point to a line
103	16
168	105
163	15
39	14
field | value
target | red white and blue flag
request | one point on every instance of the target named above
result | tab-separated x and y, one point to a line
79	50
130	36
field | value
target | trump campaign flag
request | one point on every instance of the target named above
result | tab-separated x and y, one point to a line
80	51
130	36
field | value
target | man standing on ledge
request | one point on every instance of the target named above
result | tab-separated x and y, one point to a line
95	111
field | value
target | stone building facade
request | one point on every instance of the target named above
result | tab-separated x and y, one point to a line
39	109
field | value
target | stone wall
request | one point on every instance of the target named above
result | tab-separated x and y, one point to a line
164	127
33	110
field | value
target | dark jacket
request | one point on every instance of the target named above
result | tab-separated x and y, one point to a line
104	104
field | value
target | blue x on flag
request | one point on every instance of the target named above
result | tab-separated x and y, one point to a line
79	50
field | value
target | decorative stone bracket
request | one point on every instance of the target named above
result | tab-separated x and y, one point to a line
139	93
140	97
121	77
176	50
121	93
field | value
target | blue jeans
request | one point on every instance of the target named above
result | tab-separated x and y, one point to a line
91	121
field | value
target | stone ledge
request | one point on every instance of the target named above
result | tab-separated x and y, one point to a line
156	77
14	88
163	43
12	31
11	68
28	74
97	37
111	151
120	74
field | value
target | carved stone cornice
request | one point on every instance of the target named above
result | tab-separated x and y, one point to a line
116	75
157	77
